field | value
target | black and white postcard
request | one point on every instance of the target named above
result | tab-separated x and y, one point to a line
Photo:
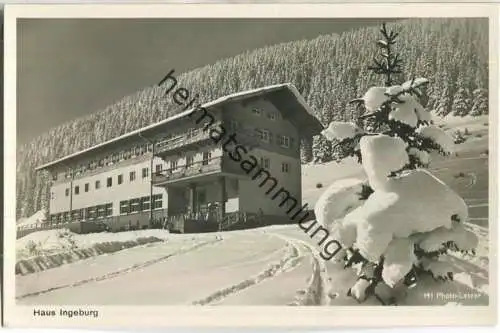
251	165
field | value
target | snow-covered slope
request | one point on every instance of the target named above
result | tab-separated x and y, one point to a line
36	218
46	249
58	240
266	266
276	265
316	177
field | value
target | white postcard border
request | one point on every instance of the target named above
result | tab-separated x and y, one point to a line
262	316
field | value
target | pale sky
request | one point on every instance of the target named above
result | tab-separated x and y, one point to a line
71	67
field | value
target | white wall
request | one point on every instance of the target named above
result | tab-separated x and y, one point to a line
127	190
253	197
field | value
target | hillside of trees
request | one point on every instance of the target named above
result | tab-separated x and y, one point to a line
329	71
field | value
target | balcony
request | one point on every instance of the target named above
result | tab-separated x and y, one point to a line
181	141
205	167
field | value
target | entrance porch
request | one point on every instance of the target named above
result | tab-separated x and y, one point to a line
205	203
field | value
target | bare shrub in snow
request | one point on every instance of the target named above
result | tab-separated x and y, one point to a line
32	248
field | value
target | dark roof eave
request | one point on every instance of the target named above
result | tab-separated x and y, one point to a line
314	125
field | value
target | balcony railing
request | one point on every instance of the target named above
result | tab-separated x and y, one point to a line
181	141
197	168
217	221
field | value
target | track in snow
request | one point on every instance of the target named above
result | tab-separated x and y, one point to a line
289	261
121	271
281	283
184	277
315	293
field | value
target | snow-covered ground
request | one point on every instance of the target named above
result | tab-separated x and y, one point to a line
476	140
317	177
58	240
276	265
35	219
267	266
51	248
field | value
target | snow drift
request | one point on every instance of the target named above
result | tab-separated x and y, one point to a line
47	249
36	218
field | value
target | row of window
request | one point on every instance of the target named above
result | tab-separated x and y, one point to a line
266	164
129	153
106	210
109	182
177	137
132	174
174	164
109	160
145	173
265	135
83	214
140	204
142	149
272	115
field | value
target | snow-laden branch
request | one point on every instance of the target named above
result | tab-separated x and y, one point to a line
340	131
439	137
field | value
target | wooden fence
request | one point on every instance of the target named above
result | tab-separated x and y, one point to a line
134	221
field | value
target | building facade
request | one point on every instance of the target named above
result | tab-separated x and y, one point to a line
177	167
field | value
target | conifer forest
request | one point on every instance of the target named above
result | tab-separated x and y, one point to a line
329	71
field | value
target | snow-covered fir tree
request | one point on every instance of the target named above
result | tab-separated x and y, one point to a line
443	104
306	151
461	102
322	150
395	226
480	106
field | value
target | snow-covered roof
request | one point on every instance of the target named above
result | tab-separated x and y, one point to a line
231	97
